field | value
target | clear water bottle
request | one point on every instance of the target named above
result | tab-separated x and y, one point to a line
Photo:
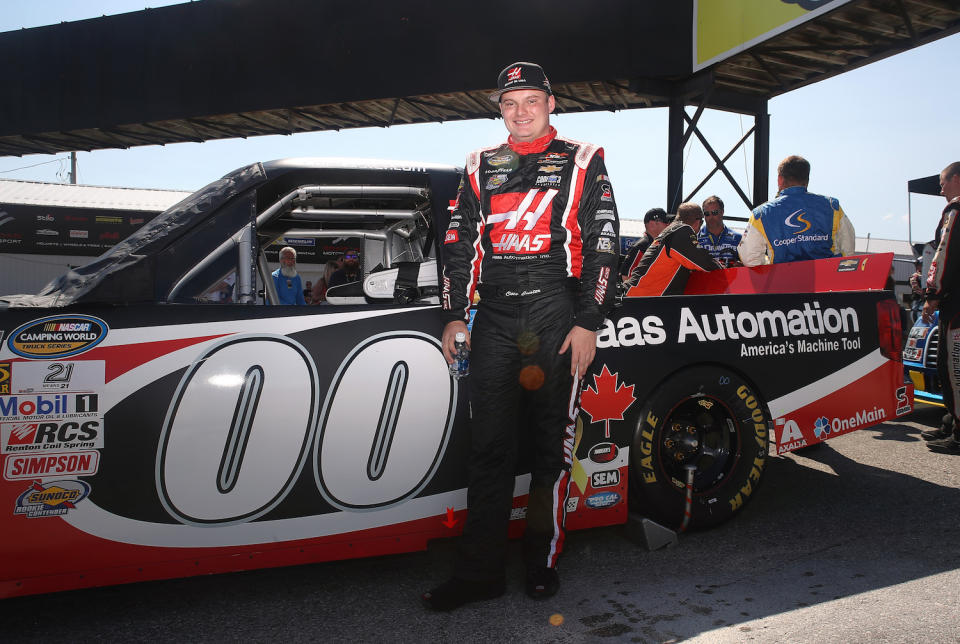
460	366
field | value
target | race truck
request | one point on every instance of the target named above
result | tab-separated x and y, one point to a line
161	415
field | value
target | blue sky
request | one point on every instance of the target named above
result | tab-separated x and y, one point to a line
865	133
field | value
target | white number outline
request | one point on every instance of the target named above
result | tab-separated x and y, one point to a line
171	415
331	394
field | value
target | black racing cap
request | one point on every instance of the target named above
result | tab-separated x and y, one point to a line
657	214
521	76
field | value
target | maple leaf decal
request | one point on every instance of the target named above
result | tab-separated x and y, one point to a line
607	401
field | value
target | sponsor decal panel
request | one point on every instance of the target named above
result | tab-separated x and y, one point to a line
572	503
57	336
51	499
602	500
51	436
518	513
42	377
38	466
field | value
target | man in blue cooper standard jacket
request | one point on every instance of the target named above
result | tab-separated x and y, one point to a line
797	224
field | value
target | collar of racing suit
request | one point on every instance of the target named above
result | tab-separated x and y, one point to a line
535	146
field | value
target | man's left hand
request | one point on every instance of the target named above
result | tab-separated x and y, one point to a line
583	346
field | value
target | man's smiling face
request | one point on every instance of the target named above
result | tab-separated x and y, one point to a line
526	113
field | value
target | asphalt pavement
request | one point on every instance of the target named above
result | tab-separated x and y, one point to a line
855	541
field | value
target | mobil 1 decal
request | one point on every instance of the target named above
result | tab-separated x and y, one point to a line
57	336
816	333
331	424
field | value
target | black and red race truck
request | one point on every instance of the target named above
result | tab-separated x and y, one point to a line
161	415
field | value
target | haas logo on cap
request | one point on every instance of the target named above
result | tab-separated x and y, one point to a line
514	74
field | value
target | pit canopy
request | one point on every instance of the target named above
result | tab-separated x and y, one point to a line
216	69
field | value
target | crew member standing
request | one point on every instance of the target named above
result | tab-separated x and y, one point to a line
535	228
797	224
943	293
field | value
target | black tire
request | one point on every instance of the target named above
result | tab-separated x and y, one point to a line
712	420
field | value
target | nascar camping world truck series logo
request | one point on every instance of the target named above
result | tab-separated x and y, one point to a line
57	336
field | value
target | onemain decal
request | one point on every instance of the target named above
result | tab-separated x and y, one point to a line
51	499
602	500
57	336
35	466
775	332
51	436
58	377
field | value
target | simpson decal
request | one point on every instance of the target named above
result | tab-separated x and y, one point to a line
57	336
34	466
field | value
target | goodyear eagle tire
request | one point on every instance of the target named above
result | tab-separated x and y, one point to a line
707	419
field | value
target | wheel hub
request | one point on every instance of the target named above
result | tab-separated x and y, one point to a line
683	441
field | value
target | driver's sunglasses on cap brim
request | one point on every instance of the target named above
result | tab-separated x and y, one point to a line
712	212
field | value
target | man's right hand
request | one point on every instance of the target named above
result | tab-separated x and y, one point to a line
449	338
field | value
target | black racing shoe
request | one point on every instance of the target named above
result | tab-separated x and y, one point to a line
456	592
945	446
542	582
944	431
936	434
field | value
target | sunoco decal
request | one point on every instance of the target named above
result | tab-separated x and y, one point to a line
4	377
57	336
51	499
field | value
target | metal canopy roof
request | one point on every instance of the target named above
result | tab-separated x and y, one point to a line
38	193
640	60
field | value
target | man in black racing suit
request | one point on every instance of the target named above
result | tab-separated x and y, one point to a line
535	226
943	293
